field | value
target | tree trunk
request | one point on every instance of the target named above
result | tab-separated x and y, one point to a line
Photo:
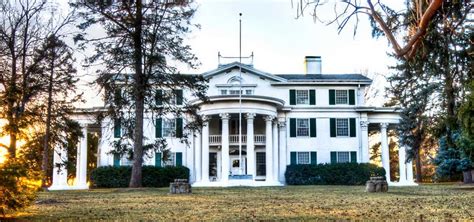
419	173
136	177
46	151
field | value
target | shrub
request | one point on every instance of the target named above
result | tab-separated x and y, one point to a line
332	174
113	177
18	186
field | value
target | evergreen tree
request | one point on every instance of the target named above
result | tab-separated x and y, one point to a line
142	40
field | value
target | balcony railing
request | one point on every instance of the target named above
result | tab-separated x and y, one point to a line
234	139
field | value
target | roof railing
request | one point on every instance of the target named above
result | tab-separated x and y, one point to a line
223	60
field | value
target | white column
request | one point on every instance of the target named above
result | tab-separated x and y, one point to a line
198	160
275	151
250	145
205	151
82	160
225	147
282	137
59	169
410	178
385	151
268	148
402	164
364	134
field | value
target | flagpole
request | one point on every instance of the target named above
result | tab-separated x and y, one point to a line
240	94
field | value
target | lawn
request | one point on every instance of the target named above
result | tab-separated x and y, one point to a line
431	202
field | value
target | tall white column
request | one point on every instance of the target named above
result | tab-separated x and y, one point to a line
275	151
385	151
225	146
59	169
410	178
402	164
198	160
282	137
251	164
364	134
82	160
205	151
269	148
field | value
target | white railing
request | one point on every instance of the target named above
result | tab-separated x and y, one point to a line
234	139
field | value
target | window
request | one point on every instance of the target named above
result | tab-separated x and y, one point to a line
261	164
302	97
169	126
342	127
234	92
344	157
302	158
248	92
341	97
223	91
170	160
302	127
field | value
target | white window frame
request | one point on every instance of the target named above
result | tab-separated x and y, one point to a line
338	127
306	100
248	92
168	94
298	128
168	127
298	161
171	160
223	91
338	158
336	96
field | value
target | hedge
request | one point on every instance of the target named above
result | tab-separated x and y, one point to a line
332	174
113	177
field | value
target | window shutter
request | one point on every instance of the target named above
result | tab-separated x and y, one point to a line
292	127
179	159
312	127
292	97
353	157
312	97
158	159
351	97
332	97
332	127
179	97
117	96
158	128
292	158
117	128
352	127
179	127
159	97
116	160
313	158
333	157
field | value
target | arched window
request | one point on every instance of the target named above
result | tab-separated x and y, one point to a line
235	80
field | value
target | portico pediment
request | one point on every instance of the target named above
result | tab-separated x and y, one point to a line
223	69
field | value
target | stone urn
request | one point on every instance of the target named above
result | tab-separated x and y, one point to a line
180	186
376	184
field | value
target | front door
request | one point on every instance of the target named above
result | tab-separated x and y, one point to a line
234	165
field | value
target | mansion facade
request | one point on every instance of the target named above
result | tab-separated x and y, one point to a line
286	119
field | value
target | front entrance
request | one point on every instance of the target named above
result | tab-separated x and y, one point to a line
235	164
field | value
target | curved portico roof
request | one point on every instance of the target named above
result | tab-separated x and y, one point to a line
250	104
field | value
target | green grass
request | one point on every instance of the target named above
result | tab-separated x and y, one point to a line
431	202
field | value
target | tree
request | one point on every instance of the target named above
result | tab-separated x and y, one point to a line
140	42
383	19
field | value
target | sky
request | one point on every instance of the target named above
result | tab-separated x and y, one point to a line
278	40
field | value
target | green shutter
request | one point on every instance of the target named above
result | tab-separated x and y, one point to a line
179	127
158	159
333	157
292	158
116	160
158	128
179	97
117	96
353	157
312	127
313	158
312	97
292	127
332	127
159	97
179	159
117	128
351	97
292	97
332	97
352	127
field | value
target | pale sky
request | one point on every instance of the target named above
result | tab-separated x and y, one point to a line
278	40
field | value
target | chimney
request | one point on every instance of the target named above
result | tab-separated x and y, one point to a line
313	64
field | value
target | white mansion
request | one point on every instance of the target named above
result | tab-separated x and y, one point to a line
307	118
